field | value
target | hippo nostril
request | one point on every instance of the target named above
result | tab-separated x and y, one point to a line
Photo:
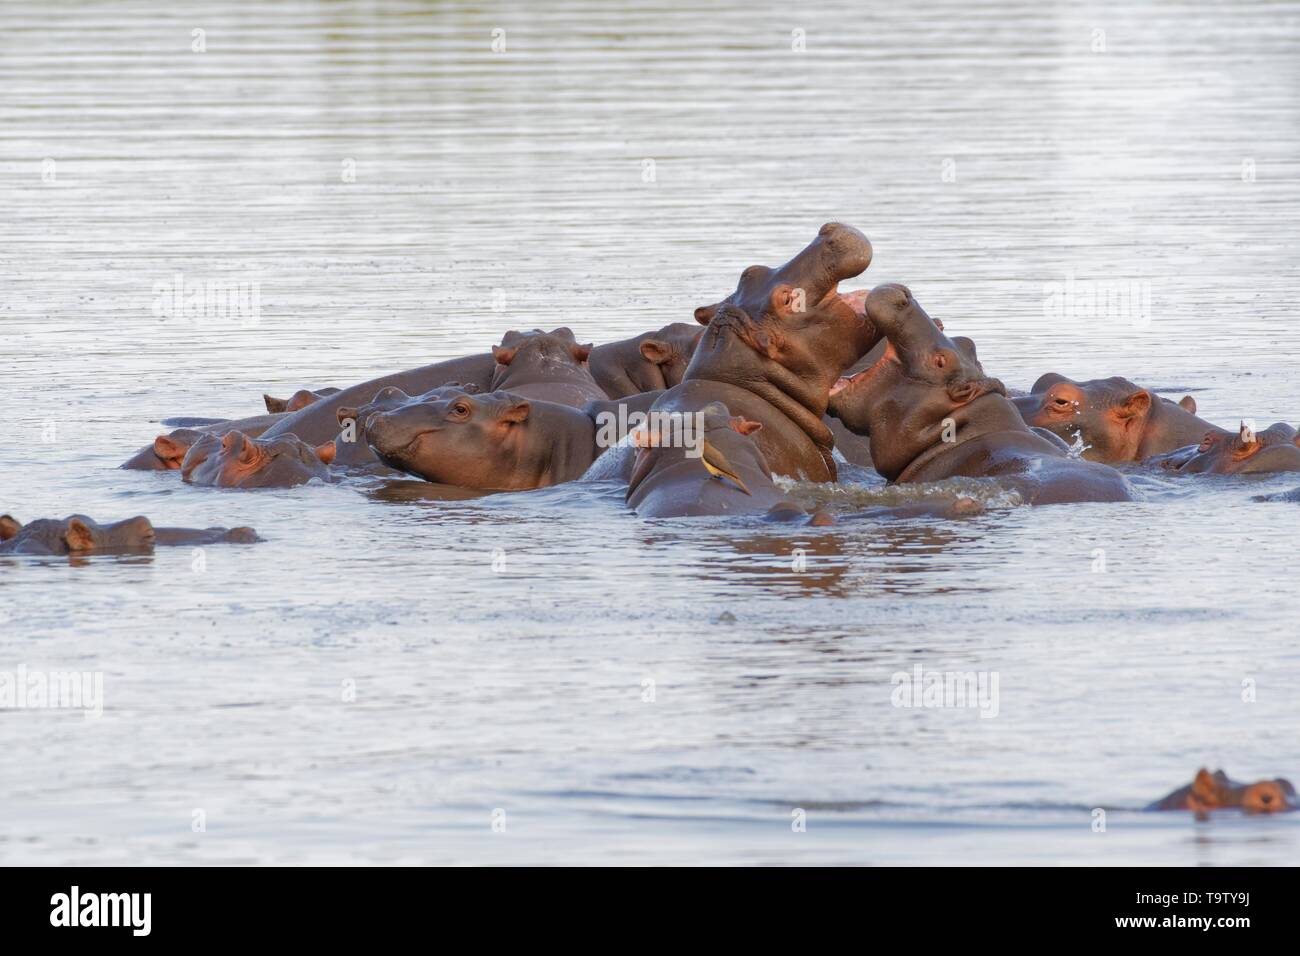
1266	798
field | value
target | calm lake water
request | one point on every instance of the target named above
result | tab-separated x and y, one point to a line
365	686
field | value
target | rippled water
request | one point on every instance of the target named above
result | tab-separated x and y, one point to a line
610	170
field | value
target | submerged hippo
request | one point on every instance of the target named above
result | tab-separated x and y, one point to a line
933	414
77	534
298	400
496	441
318	422
772	350
168	451
652	361
235	460
1214	791
706	463
1275	449
550	366
1114	419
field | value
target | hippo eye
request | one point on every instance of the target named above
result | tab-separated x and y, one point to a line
1061	403
1206	444
940	360
460	409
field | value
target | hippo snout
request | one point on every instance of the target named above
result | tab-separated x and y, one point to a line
849	249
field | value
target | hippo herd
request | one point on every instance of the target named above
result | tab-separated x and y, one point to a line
784	378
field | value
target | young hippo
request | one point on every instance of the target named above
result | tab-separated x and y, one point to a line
77	534
933	414
706	463
318	422
496	441
1276	448
351	448
235	460
651	361
550	366
298	400
1214	791
1115	419
772	350
168	451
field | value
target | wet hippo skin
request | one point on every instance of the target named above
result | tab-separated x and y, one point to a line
494	441
235	460
78	534
1214	791
721	472
651	361
772	350
318	422
168	451
298	400
1275	449
550	366
1114	419
933	414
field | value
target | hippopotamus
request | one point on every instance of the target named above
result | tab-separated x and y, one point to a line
1275	449
932	414
1112	418
550	366
1214	791
496	441
236	460
772	350
649	362
703	463
318	422
77	534
298	400
350	448
168	451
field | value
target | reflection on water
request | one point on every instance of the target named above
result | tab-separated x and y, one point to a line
392	665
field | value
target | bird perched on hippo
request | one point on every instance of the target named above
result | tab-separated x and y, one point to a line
932	414
771	351
707	463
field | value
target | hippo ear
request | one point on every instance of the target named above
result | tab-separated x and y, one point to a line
1135	406
656	351
503	354
705	313
1047	381
78	536
170	449
1188	404
346	413
517	413
275	405
326	452
787	301
743	425
581	353
9	526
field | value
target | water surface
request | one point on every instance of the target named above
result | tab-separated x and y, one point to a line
380	676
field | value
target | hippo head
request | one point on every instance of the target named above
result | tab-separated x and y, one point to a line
1210	791
234	460
297	401
1107	416
794	316
171	449
1276	448
921	379
1268	796
350	446
78	534
664	357
659	441
536	349
452	436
